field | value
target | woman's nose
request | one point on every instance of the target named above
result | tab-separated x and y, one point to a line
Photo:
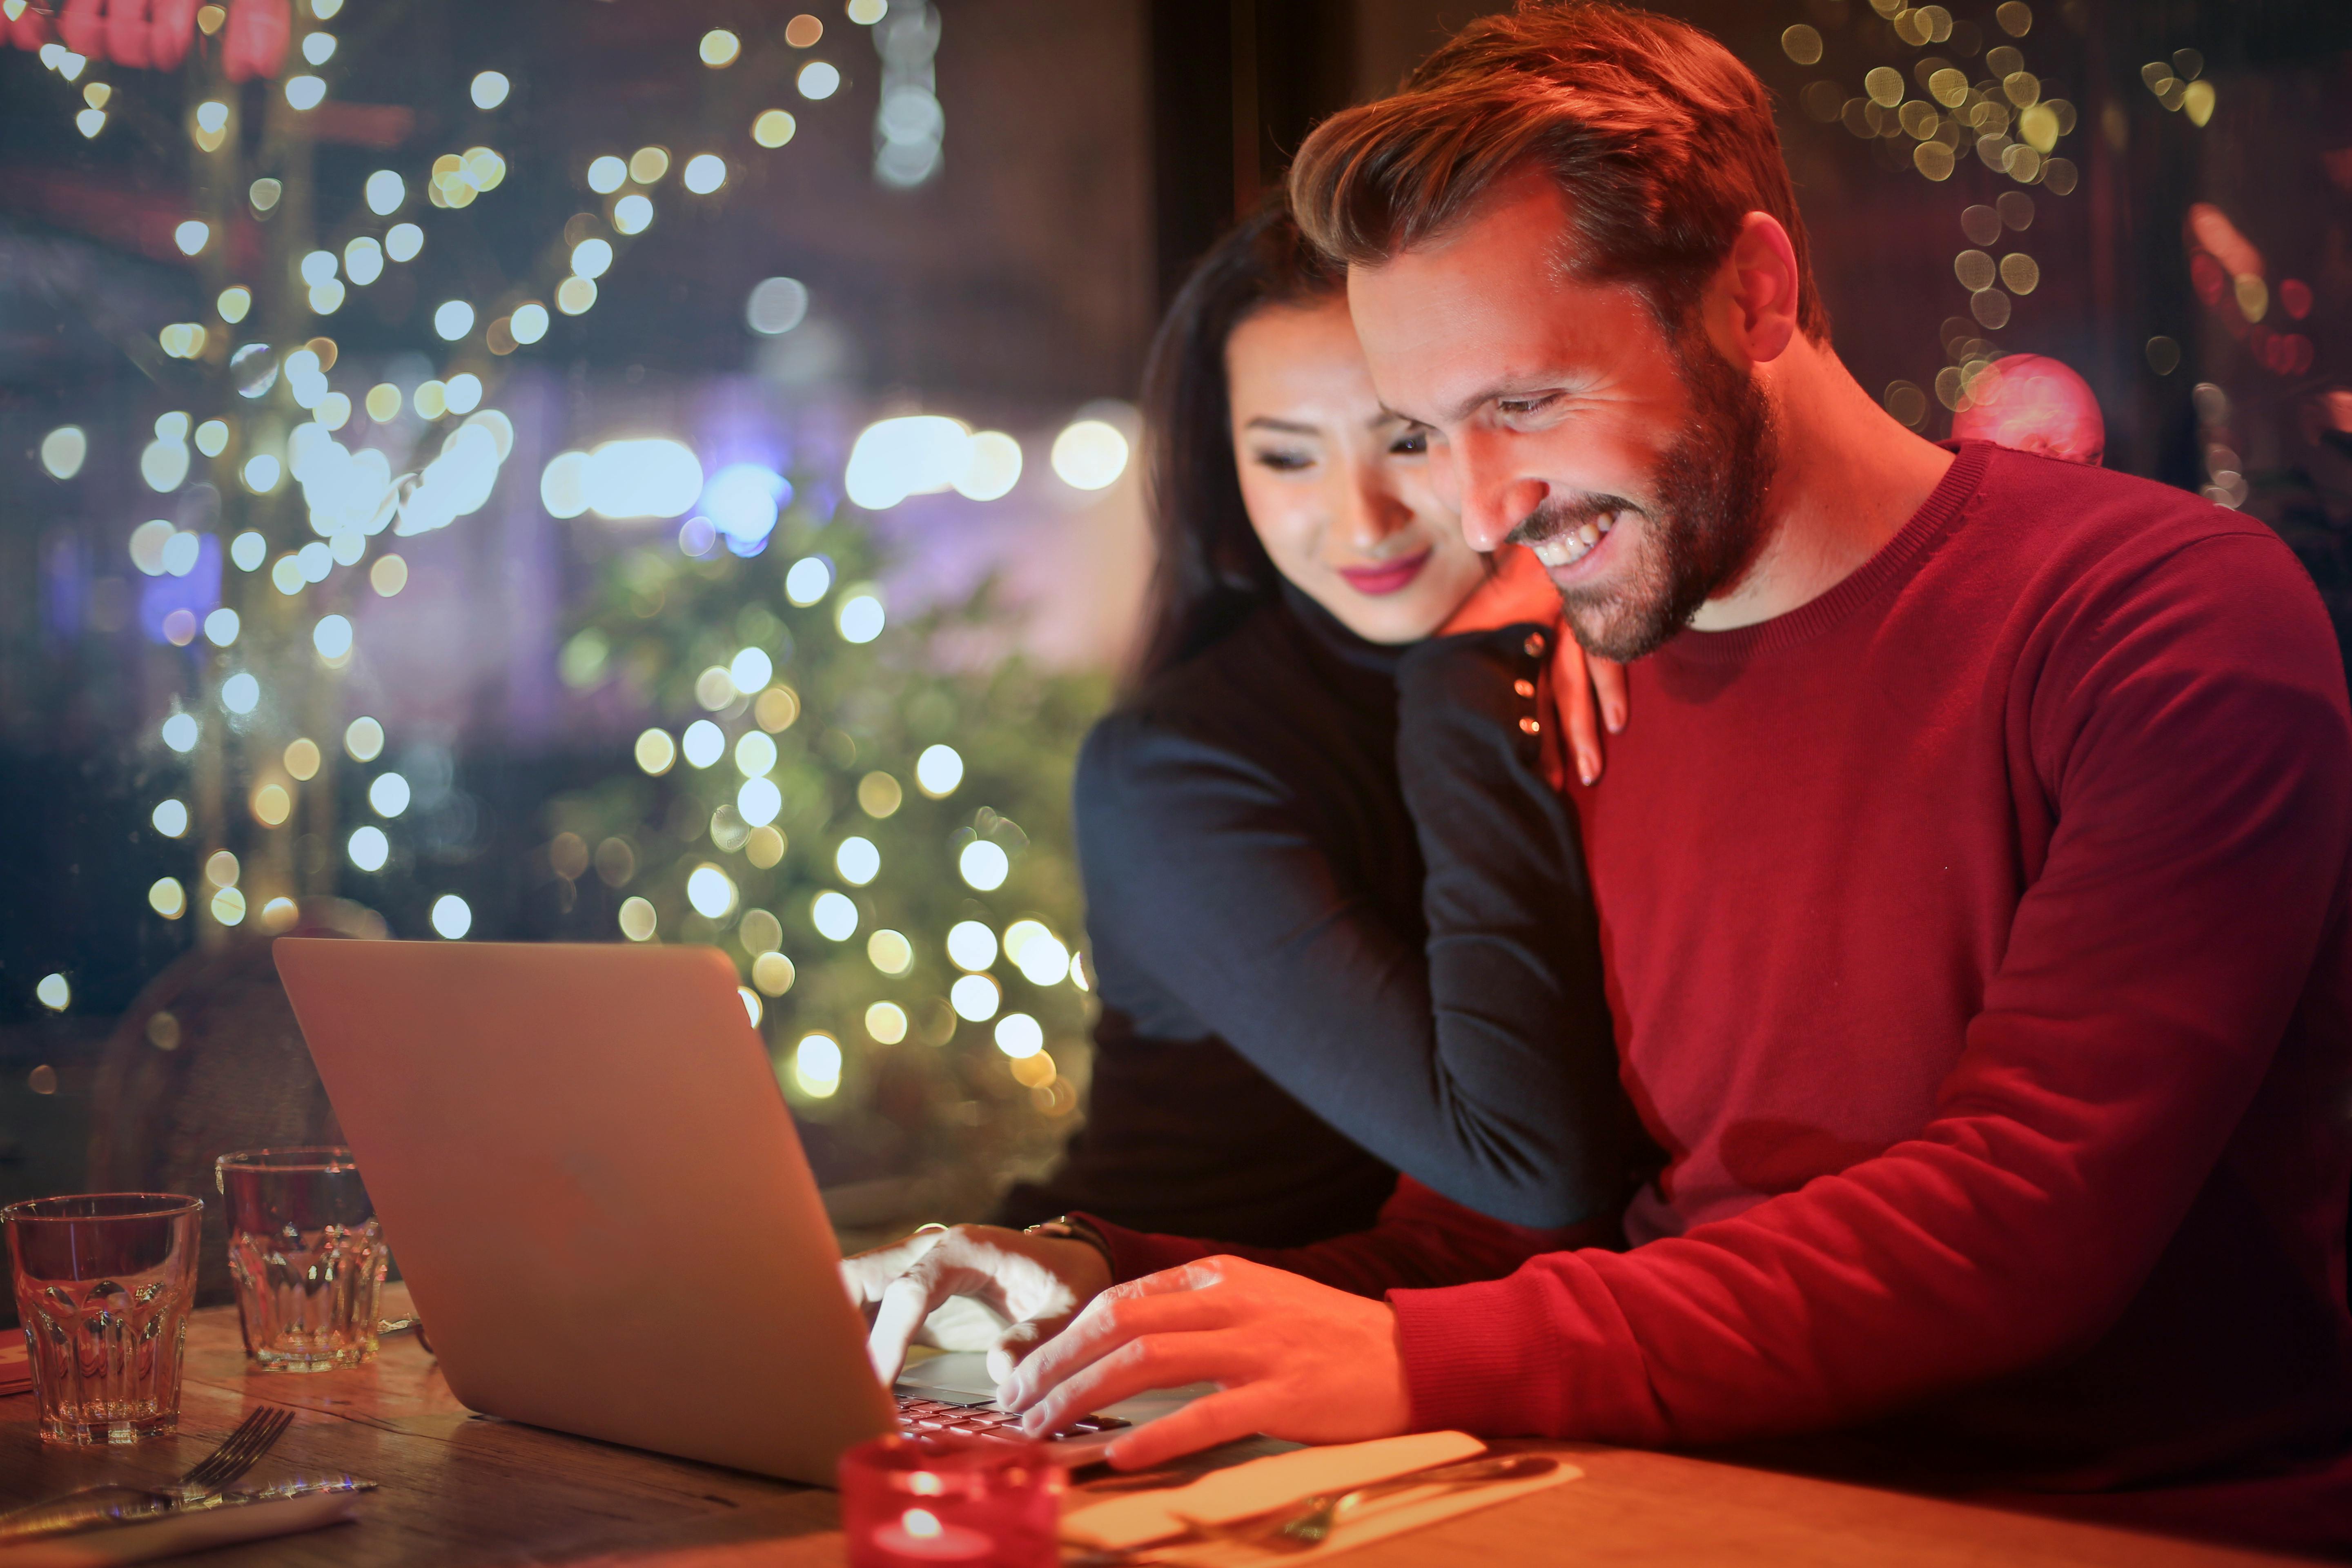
1371	512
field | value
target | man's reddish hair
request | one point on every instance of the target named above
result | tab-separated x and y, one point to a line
1662	141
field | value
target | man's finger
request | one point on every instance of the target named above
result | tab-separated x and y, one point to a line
1141	1365
1106	1323
1208	1421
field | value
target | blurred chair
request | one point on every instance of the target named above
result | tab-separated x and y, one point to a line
209	1059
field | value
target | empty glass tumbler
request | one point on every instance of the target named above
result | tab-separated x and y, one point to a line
307	1256
103	1286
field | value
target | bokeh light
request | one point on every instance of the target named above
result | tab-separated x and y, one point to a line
833	915
389	795
638	919
857	861
363	740
703	743
489	89
1018	1035
1089	455
971	946
938	771
860	617
983	865
776	305
710	891
974	996
369	848
816	1065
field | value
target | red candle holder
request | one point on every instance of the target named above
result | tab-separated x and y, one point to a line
909	1502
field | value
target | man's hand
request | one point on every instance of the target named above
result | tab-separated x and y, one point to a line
974	1288
1291	1358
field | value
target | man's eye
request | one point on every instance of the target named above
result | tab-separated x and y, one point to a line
1411	443
1516	408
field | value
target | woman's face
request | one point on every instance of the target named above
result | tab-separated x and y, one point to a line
1337	487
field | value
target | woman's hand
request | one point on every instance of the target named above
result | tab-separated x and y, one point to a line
974	1288
1589	693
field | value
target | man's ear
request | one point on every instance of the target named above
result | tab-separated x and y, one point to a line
1751	306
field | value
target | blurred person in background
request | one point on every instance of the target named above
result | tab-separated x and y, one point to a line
1338	913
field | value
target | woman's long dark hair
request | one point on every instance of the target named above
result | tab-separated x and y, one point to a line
1212	570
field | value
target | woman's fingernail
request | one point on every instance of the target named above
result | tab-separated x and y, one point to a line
1586	772
1614	717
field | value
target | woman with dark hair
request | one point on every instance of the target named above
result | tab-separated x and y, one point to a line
1339	920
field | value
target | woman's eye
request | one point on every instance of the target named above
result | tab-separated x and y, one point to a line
1412	445
1282	462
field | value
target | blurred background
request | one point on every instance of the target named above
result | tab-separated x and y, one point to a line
602	470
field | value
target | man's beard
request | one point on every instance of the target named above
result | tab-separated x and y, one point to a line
1702	520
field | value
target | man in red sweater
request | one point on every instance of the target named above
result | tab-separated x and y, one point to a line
1976	889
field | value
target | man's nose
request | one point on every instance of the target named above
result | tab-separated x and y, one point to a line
1493	499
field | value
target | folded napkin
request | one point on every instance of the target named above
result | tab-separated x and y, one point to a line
1137	1519
1376	1521
193	1530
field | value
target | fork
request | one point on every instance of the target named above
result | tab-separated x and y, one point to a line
1306	1524
238	1452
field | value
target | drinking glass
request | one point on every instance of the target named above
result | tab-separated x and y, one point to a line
306	1254
103	1286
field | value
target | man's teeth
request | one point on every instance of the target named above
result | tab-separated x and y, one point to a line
1567	548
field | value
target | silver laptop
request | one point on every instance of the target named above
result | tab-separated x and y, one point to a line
584	1162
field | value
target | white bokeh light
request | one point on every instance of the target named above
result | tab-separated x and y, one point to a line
389	795
452	916
937	771
1019	1035
972	945
975	996
833	915
710	891
809	581
369	848
857	861
1089	455
983	865
703	743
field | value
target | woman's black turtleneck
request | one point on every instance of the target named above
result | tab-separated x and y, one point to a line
1340	928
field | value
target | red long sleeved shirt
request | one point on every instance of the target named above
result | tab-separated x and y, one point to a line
1981	950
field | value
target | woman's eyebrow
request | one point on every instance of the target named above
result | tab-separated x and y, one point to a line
1288	426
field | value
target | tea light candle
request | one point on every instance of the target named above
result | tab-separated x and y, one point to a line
916	1503
919	1536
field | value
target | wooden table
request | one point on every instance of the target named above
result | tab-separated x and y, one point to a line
461	1490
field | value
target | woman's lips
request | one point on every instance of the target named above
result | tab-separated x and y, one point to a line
1390	578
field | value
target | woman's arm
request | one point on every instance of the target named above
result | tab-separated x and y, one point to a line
1481	1063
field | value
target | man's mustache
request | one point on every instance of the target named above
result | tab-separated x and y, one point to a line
1554	518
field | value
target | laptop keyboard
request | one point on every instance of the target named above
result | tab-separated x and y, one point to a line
980	1416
